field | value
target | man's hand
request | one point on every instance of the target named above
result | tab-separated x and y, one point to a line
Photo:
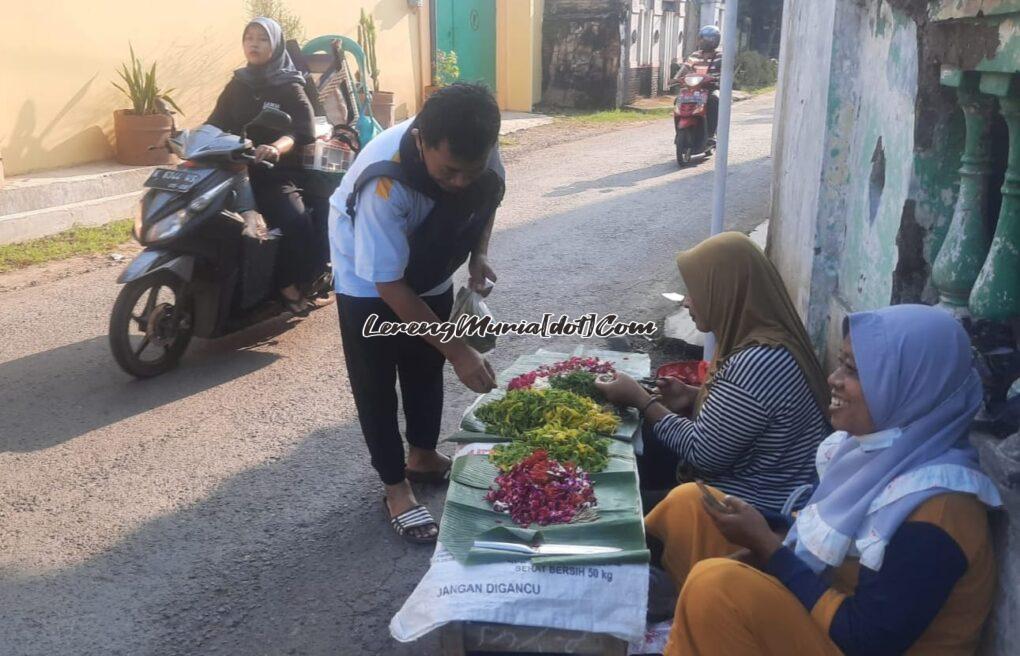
624	390
473	370
677	396
254	225
744	526
479	270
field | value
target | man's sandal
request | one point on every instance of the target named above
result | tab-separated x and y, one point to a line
406	522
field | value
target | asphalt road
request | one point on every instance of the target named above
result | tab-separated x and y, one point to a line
228	507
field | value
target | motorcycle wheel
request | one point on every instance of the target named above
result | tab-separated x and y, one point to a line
151	317
684	153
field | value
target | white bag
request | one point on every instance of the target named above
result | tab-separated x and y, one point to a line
610	599
597	599
470	303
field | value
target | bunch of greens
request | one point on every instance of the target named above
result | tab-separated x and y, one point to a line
584	449
579	382
525	410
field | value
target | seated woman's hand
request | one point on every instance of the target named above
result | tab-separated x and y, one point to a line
677	395
745	527
267	153
254	225
623	390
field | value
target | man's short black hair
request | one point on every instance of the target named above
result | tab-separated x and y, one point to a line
465	115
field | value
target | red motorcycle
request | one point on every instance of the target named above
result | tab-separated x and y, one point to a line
690	116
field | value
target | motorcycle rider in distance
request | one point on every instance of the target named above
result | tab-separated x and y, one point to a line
707	56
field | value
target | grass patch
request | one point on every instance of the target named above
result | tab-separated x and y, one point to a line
76	241
611	116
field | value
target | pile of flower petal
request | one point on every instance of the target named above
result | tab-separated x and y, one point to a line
542	491
589	365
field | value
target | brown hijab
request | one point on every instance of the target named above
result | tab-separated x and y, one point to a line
739	292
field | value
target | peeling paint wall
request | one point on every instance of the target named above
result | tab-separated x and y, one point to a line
889	148
871	116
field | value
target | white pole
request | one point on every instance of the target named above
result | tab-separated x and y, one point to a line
729	49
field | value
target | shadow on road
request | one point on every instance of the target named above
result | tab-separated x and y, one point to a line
51	397
617	180
314	568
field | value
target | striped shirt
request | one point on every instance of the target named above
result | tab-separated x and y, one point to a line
757	432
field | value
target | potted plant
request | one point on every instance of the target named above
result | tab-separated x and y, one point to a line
445	72
141	131
383	102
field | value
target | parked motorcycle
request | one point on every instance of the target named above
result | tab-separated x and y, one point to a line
690	116
198	274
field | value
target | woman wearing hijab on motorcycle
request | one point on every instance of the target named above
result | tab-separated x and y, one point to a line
892	553
760	415
270	80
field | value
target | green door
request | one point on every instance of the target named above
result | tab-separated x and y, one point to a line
468	27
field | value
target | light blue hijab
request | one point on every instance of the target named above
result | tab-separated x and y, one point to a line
916	372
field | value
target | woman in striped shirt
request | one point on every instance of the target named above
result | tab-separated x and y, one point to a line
760	416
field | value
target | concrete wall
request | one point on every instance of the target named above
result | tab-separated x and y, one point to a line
582	53
711	12
844	155
57	59
798	144
871	121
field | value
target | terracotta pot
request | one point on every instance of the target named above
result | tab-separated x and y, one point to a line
136	134
384	107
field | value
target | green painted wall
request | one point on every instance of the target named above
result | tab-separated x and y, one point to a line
871	114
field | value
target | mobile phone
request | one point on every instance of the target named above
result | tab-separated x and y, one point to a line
649	384
710	499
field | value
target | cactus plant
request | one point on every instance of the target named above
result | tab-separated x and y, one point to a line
366	39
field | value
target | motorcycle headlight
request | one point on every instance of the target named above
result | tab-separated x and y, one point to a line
168	227
694	80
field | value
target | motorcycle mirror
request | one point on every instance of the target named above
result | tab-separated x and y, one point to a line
271	119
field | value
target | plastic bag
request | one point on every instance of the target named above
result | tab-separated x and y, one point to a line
469	303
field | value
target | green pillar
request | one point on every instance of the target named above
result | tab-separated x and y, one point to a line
996	292
966	244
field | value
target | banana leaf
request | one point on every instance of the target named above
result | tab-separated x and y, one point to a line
468	517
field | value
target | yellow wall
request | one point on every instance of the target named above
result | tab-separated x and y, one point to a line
58	57
518	27
536	64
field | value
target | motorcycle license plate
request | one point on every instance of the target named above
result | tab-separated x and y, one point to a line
173	180
695	97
